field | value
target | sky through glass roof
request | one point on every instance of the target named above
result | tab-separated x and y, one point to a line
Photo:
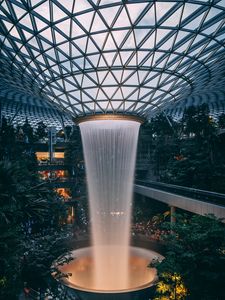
132	57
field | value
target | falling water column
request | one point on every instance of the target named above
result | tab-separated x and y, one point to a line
110	153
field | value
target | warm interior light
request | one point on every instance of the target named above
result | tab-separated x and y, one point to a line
82	271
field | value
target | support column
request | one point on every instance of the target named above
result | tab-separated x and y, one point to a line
172	214
51	142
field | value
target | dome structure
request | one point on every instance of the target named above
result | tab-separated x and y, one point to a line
100	56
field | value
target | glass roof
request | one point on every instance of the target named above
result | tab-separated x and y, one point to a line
99	56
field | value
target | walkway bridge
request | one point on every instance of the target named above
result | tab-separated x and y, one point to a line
193	200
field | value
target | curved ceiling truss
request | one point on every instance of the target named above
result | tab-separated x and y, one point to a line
100	56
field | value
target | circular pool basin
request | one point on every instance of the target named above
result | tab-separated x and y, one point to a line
81	282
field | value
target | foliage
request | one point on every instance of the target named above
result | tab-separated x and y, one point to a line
196	120
196	251
143	212
73	153
74	159
171	287
41	131
42	257
68	132
28	132
160	134
30	214
188	152
221	121
15	206
25	212
7	139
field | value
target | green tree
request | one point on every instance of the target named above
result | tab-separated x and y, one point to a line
17	205
30	214
7	139
196	252
197	121
189	152
28	132
221	121
11	242
165	142
41	131
74	159
199	161
42	256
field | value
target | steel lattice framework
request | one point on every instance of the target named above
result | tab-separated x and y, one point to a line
100	56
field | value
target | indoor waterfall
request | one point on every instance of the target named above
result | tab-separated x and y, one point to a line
110	153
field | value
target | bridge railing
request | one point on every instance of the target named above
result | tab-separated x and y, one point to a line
202	195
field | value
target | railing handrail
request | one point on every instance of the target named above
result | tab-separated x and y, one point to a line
203	195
